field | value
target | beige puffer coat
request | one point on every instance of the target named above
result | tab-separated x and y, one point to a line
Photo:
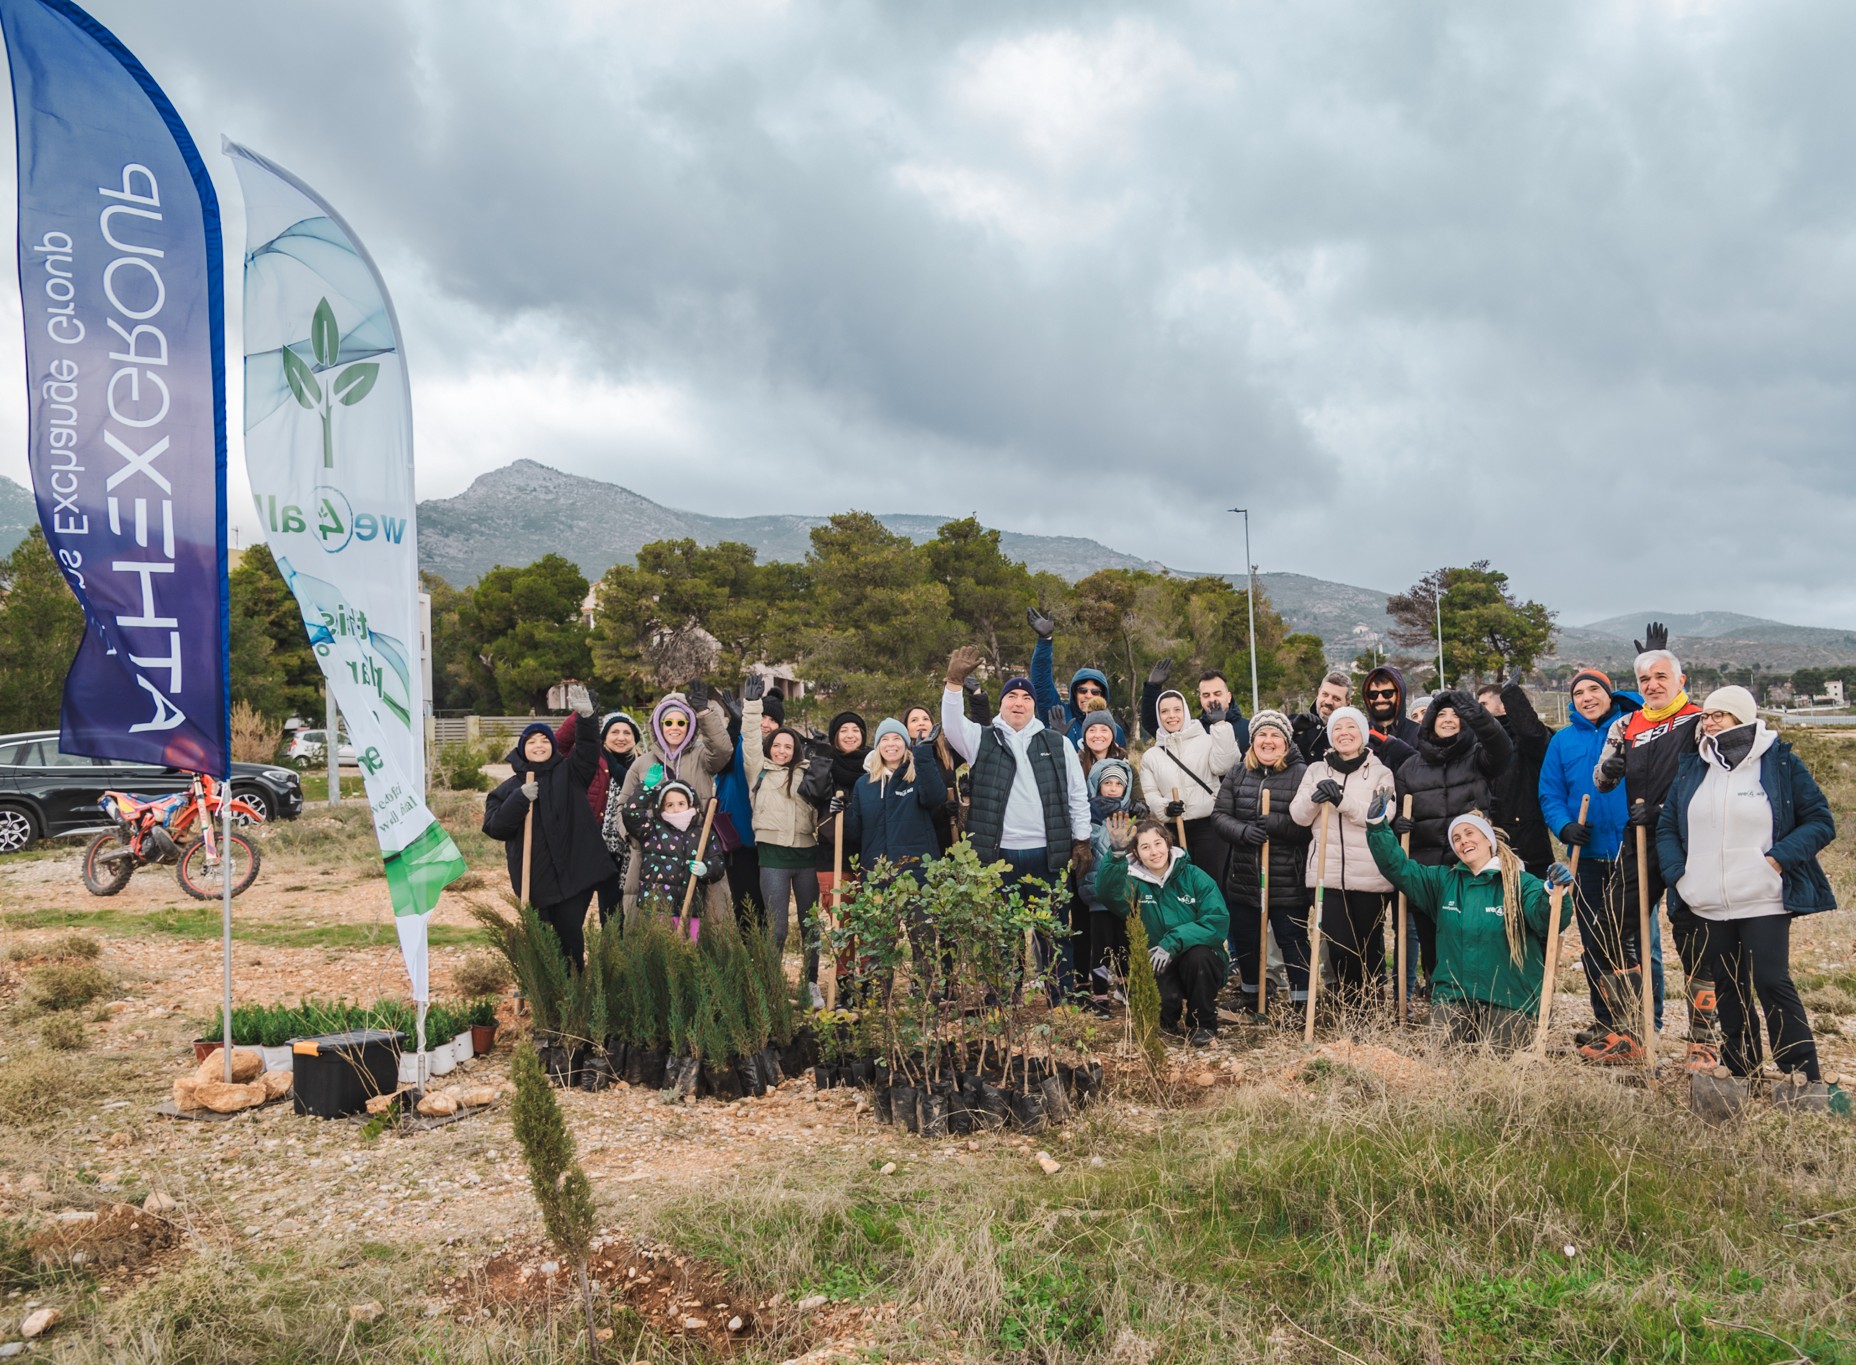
1350	865
781	816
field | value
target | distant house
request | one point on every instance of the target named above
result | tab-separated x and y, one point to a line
1833	690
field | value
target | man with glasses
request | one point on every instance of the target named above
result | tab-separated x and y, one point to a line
1642	752
1088	686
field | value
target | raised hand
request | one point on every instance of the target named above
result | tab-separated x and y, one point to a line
697	695
960	665
754	687
1042	622
1121	831
1160	672
1655	636
1058	719
579	700
1376	808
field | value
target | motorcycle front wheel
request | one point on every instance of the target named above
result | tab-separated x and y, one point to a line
204	878
103	875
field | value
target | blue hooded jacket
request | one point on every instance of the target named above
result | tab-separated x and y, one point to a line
1044	684
732	795
1100	808
1566	776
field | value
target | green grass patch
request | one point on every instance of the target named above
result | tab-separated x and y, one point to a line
202	922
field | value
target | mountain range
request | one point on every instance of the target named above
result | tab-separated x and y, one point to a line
516	514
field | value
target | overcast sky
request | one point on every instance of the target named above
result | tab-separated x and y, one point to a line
1566	286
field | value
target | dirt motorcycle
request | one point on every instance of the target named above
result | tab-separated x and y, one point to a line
161	830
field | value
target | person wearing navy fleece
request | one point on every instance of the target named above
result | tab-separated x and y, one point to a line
1085	683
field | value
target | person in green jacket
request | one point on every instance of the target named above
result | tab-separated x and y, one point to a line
1185	917
1491	928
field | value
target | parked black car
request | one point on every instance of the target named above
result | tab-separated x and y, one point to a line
44	794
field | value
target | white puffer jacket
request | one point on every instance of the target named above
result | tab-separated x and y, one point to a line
1350	865
1175	759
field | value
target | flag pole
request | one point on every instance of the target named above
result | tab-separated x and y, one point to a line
225	872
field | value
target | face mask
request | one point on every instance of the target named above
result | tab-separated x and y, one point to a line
680	819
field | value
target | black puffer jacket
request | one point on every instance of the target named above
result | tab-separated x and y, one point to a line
1450	777
1239	805
1517	790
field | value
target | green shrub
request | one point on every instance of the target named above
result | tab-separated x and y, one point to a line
481	973
35	1085
65	985
459	766
482	1011
76	947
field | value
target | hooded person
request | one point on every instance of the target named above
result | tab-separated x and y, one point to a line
1215	702
1347	777
566	855
1111	790
1273	765
785	826
1643	750
1385	697
1606	913
733	838
667	824
1492	918
1180	773
834	766
1741	827
688	743
1462	749
1085	684
620	743
1516	788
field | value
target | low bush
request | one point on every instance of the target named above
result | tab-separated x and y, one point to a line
459	766
64	1032
35	1085
64	986
481	973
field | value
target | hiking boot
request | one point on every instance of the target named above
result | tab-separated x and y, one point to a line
1593	1032
1615	1049
1704	1020
1202	1037
1701	1057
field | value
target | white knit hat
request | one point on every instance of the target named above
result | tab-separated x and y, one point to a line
1736	701
1354	714
1475	822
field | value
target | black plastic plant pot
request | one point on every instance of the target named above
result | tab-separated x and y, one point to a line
884	1114
596	1074
993	1109
724	1082
747	1076
1027	1110
824	1077
863	1072
619	1054
652	1065
959	1117
800	1055
562	1064
1056	1103
771	1072
634	1066
1088	1081
933	1113
902	1107
682	1074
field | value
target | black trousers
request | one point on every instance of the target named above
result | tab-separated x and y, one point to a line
1190	983
610	893
744	886
1748	956
1208	852
1108	950
568	920
1290	925
1353	922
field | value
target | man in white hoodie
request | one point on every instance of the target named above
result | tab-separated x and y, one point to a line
1030	805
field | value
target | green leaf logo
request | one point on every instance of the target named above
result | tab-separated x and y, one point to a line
355	383
324	336
303	383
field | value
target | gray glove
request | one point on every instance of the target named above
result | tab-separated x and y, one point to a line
1042	622
1058	719
580	700
1160	672
531	789
755	687
1159	957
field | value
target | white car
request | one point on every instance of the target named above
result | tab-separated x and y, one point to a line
307	749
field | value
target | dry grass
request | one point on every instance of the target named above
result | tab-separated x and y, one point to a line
35	1087
64	986
64	1032
480	973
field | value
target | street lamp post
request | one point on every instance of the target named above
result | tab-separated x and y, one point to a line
1442	682
1250	603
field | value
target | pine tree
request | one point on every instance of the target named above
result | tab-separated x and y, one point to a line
41	626
1143	994
561	1188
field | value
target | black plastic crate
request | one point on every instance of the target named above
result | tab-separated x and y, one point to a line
337	1073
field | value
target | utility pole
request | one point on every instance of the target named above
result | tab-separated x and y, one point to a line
1250	602
1441	682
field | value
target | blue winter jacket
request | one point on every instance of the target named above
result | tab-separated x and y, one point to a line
732	795
1801	826
895	820
1566	776
1044	684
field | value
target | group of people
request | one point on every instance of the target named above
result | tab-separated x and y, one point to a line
1224	831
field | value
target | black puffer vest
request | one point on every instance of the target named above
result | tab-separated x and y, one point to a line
991	786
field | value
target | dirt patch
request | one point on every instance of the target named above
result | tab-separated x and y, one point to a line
113	1237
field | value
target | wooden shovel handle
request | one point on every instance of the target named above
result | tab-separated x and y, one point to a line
1314	925
702	843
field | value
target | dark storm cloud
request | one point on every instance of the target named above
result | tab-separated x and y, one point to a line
1567	287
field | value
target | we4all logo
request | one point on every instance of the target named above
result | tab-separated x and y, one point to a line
348	384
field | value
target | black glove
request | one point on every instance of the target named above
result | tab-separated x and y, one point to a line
1213	716
1058	719
1376	808
1642	813
1403	825
1042	622
1465	705
1138	809
1255	834
697	695
836	805
963	787
1175	809
1327	792
1655	636
1160	672
1575	835
755	687
1614	765
1515	681
730	704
